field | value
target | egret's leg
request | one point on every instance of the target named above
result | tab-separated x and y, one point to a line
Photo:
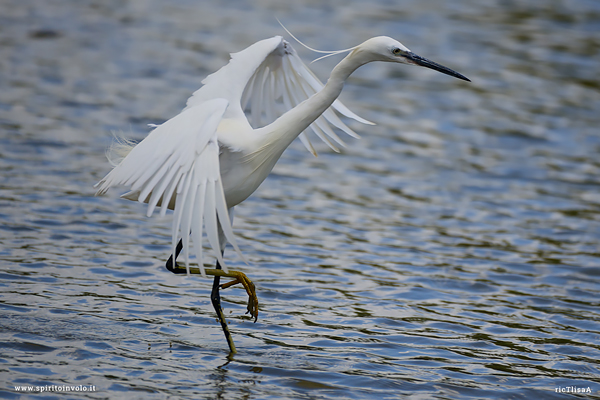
172	264
215	299
238	277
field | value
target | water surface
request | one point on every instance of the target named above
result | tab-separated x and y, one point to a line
452	252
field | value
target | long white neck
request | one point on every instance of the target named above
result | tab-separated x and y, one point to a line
240	179
282	132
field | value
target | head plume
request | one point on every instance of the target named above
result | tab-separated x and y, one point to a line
327	53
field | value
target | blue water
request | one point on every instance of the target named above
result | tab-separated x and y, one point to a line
452	252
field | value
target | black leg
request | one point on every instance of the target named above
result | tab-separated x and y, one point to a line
172	263
215	298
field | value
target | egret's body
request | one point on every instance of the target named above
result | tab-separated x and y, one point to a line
211	157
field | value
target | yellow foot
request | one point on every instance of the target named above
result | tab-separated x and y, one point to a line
238	277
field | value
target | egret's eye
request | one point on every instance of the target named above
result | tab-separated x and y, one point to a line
396	51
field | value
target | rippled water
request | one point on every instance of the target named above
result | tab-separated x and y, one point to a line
452	252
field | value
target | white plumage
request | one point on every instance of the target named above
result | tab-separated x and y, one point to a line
177	165
211	156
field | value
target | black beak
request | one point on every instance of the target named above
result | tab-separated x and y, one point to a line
423	62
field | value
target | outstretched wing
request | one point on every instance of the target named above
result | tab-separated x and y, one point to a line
177	166
267	79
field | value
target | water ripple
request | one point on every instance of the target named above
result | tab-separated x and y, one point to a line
451	252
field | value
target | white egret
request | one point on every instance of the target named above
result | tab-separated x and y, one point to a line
211	157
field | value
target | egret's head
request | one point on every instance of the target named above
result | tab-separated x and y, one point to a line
383	48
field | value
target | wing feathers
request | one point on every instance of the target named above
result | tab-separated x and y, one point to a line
210	221
223	215
197	219
282	79
179	160
267	79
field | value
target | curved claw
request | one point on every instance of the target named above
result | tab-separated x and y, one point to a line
240	277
